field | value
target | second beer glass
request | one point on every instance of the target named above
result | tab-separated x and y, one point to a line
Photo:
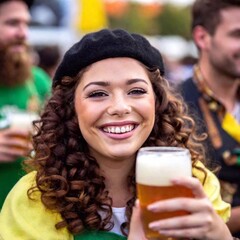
155	167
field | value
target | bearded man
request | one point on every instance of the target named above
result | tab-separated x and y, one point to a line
23	89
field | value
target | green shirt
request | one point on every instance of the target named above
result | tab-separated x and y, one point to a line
99	236
19	98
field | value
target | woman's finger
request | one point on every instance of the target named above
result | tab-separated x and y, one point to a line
187	221
189	205
192	183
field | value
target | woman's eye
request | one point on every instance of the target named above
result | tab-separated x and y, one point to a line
97	94
137	91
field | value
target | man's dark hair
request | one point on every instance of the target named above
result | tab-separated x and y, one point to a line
28	2
207	13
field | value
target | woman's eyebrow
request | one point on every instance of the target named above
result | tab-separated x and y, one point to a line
98	83
135	80
105	84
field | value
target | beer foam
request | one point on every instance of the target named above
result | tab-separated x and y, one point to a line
158	169
22	120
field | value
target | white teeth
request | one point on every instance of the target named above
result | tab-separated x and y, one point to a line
118	130
123	130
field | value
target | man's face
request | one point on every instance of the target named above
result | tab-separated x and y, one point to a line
15	68
14	20
224	46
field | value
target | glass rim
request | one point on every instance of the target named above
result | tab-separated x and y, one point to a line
163	149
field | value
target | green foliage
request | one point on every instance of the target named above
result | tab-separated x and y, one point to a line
133	21
173	20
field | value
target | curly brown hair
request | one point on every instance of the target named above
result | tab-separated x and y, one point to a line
69	178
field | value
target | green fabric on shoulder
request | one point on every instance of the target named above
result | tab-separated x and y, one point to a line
99	235
10	173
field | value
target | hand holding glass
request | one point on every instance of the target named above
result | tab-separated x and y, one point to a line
155	167
21	126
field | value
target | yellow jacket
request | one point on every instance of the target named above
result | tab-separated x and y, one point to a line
24	219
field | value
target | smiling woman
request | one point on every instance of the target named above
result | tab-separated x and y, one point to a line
120	100
109	99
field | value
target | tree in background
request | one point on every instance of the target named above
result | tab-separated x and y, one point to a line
174	20
139	18
152	19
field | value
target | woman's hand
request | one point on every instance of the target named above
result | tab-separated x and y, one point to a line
136	229
202	222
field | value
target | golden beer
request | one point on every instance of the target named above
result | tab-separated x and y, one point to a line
155	167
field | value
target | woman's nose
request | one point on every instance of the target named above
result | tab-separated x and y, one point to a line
119	106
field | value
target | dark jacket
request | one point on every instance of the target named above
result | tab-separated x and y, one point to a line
228	174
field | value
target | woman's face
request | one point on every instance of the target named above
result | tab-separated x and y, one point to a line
115	107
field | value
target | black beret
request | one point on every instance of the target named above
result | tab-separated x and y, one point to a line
28	2
104	44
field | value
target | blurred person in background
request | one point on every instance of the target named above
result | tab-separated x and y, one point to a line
49	13
180	69
48	58
213	93
23	89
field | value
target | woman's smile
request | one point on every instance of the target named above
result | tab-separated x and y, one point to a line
120	131
119	127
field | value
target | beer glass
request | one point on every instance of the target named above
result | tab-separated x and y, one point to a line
155	167
22	120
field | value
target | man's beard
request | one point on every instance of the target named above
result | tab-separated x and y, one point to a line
15	67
